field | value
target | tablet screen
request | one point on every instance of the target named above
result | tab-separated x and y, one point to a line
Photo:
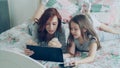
46	53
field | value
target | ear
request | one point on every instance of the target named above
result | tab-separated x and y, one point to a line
84	30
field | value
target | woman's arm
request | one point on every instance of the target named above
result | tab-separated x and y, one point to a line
31	42
59	40
54	43
62	39
39	12
28	51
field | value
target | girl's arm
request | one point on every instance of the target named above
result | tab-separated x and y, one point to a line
71	51
91	55
108	29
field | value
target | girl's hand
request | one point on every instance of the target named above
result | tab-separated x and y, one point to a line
54	43
28	52
77	53
74	63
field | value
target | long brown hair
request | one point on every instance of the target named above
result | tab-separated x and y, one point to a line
48	13
83	23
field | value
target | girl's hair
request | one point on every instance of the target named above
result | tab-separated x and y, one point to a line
83	23
48	13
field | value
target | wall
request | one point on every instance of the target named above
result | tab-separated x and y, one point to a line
21	10
4	16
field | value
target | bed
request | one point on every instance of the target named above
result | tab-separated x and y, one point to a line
107	57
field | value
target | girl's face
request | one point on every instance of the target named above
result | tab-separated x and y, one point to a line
75	30
51	25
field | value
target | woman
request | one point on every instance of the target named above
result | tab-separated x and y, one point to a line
47	30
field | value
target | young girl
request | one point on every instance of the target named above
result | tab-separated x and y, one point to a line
82	38
47	30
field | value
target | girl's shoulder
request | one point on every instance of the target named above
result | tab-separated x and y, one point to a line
92	40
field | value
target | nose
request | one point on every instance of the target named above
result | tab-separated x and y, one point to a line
51	27
72	31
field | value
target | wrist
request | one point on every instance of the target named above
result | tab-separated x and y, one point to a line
79	62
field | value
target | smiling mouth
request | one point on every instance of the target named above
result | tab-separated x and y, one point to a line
74	34
51	31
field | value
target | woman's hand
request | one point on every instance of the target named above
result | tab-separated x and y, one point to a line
31	42
55	43
28	52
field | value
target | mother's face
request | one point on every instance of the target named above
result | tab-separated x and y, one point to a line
52	24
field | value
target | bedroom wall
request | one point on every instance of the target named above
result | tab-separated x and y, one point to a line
21	10
4	16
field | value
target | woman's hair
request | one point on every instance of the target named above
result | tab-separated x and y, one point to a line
48	13
83	23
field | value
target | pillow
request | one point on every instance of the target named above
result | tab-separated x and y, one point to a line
65	7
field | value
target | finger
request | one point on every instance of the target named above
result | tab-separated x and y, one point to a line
72	64
50	43
26	49
28	52
54	39
31	53
53	43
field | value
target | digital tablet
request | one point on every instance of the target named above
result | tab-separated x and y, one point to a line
46	53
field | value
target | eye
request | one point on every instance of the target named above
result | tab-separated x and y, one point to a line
48	23
54	23
76	29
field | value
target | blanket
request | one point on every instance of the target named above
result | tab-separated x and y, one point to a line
107	57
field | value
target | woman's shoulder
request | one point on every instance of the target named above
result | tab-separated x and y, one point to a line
32	24
32	29
61	31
